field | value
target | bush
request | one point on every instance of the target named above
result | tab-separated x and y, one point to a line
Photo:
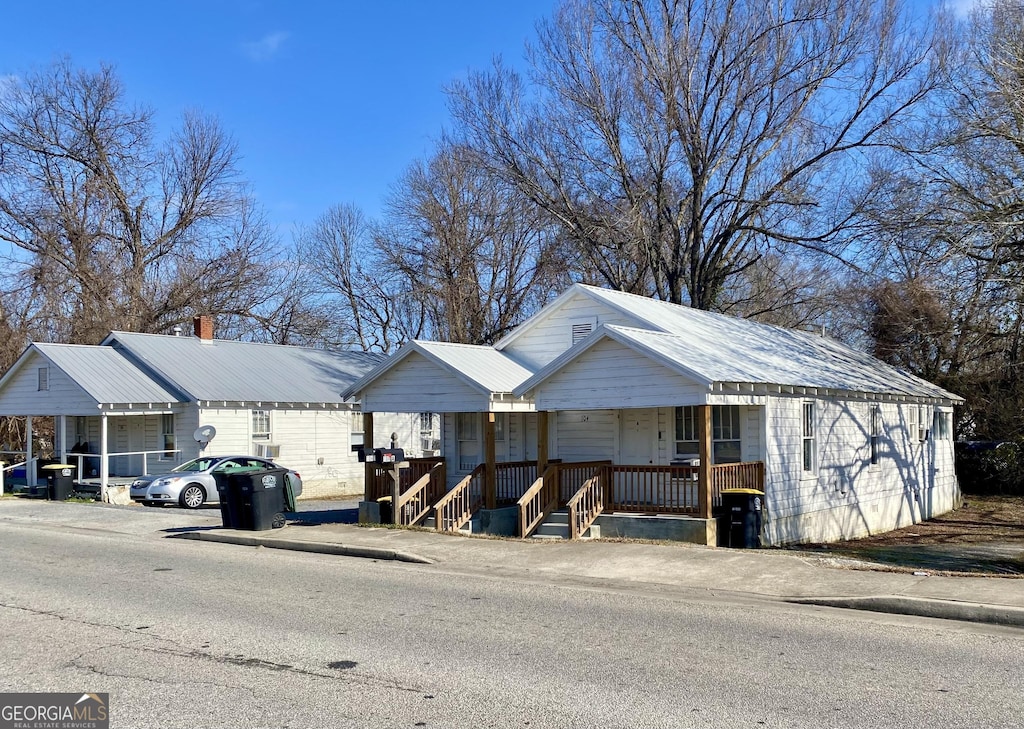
991	467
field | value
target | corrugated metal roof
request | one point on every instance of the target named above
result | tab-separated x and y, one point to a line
105	374
793	358
724	348
488	368
227	370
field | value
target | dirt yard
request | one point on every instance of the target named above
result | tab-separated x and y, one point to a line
986	536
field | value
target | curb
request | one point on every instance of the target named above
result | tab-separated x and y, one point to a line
300	546
925	608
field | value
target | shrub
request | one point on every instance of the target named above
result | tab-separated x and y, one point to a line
989	467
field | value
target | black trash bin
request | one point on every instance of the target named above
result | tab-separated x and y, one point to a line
60	481
262	498
743	517
387	515
229	496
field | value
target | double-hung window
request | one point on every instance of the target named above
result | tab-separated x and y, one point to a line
876	432
809	447
167	436
725	433
467	433
261	425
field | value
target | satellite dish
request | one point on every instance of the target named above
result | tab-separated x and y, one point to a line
204	434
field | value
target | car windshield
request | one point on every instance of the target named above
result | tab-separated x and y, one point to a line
196	464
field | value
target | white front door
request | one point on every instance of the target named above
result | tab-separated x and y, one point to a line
636	437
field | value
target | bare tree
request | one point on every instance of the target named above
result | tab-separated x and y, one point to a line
114	230
474	255
677	141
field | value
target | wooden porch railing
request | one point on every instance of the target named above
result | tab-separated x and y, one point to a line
380	484
416	502
585	506
748	475
458	506
653	489
514	479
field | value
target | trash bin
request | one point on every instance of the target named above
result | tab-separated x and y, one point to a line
262	498
743	517
60	481
229	496
386	513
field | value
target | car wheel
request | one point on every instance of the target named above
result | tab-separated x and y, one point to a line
192	496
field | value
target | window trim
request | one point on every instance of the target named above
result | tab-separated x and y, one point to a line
166	418
874	432
258	415
473	420
808	439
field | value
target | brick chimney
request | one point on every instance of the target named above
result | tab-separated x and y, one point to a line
203	327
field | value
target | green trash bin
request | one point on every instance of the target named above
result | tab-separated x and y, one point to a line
60	481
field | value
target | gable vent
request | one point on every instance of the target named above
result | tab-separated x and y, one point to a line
581	331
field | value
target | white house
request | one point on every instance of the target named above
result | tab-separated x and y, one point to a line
622	406
135	403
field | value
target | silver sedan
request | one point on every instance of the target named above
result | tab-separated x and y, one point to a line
193	484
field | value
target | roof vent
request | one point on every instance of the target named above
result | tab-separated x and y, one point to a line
177	330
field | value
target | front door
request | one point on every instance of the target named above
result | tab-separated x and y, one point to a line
636	438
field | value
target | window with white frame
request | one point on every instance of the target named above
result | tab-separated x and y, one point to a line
261	425
467	433
687	438
809	449
356	433
167	436
725	433
43	378
500	436
428	444
942	425
876	432
917	422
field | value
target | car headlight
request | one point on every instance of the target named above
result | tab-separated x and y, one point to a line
164	481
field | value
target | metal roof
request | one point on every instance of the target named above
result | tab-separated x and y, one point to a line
226	370
481	367
105	374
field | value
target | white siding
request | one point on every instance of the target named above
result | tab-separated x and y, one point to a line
22	396
552	334
418	385
610	375
848	496
586	435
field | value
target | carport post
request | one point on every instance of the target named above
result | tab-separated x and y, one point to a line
30	472
104	461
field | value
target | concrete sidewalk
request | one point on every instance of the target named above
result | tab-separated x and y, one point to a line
766	574
774	574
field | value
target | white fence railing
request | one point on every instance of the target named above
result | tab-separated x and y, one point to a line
169	457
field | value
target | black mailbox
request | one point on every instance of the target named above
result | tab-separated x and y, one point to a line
389	455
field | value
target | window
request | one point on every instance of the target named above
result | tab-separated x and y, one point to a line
428	443
500	436
725	433
260	425
687	443
43	382
875	432
941	427
808	437
467	433
917	422
167	436
356	433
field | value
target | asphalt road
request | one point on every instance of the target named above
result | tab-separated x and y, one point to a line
191	634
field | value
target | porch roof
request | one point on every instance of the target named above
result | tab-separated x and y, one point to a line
481	367
734	355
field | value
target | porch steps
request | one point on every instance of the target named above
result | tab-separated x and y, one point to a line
472	526
556	526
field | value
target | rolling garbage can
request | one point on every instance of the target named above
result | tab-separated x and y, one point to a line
60	481
386	513
262	498
743	517
229	496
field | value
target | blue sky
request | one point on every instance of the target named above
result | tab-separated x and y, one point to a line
329	102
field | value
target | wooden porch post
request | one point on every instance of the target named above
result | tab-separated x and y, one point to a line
490	475
704	472
369	468
542	442
30	472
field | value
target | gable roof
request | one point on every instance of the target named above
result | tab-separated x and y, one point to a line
724	354
221	369
103	373
483	368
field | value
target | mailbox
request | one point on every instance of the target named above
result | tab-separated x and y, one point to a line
389	455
